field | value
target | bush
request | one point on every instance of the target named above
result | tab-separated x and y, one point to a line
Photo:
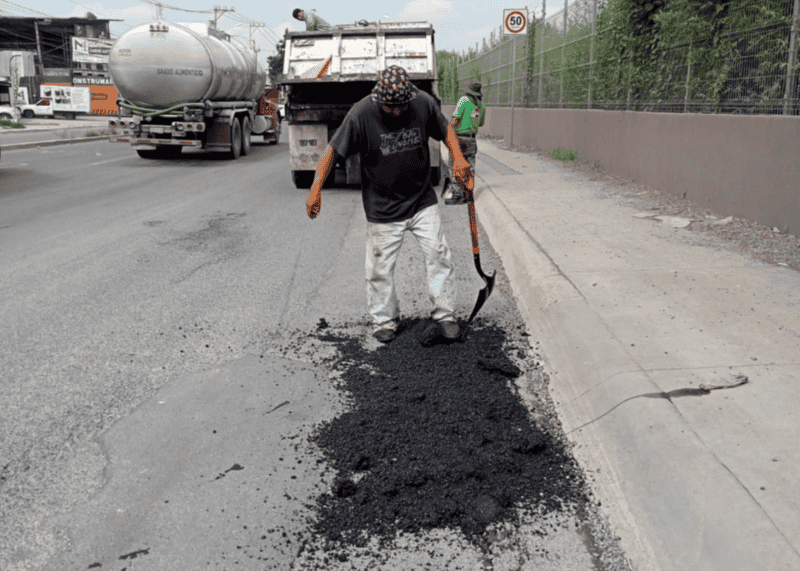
563	154
6	124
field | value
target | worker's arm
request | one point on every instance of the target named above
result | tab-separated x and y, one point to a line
324	168
461	171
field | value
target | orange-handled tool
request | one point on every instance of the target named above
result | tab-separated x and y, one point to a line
484	294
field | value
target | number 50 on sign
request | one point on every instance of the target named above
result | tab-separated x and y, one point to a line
515	21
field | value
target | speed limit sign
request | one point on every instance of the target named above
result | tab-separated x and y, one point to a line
515	21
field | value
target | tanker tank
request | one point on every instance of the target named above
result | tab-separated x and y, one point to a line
161	64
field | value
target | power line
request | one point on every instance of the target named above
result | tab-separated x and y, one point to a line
24	9
168	7
242	19
102	14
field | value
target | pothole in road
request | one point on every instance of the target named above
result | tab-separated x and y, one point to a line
435	438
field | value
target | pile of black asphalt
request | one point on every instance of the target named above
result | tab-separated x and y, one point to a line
435	436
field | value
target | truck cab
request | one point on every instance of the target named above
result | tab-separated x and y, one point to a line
326	72
41	108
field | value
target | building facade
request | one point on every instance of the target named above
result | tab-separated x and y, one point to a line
57	51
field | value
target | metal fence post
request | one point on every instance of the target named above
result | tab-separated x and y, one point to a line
688	76
541	53
513	79
591	54
630	75
790	76
563	55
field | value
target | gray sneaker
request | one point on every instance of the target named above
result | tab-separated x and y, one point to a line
450	329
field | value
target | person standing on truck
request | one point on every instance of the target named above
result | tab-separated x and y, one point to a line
390	128
313	22
468	116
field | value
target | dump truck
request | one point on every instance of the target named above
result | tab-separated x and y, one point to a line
325	72
188	85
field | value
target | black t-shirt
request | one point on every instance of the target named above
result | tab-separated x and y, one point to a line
395	158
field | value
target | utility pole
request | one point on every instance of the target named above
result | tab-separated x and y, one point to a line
221	10
255	25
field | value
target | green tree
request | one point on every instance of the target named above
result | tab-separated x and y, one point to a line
276	63
446	64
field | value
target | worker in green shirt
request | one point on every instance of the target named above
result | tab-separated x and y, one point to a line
312	21
468	116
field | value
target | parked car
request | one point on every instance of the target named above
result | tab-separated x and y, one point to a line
10	113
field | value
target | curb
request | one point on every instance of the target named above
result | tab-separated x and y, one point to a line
667	519
33	145
544	294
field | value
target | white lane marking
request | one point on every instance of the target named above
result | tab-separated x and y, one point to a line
108	161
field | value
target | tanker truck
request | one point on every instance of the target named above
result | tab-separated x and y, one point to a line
325	72
188	85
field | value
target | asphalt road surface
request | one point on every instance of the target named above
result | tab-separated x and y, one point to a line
158	380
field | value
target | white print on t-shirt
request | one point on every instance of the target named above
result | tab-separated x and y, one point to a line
400	141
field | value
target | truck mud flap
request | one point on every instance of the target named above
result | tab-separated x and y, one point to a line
306	145
219	134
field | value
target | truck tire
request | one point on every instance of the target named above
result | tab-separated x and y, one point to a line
236	140
69	116
28	114
303	179
277	138
246	131
6	117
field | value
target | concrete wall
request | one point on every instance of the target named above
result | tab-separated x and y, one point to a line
745	166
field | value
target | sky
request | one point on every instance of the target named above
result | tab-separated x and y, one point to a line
457	25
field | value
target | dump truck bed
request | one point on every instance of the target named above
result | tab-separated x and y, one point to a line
357	53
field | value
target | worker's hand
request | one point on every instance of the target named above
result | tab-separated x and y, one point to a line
462	173
314	202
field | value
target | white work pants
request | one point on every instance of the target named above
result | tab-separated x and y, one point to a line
383	246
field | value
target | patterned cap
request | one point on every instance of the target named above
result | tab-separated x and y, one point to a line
393	87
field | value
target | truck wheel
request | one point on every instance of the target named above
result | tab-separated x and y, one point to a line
69	116
6	117
246	131
303	179
277	138
236	140
28	114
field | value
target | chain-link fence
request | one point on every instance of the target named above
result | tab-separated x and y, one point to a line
742	57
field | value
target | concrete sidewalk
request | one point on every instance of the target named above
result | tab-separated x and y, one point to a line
639	322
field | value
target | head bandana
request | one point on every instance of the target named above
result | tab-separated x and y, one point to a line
393	87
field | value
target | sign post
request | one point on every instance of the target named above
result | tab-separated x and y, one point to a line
515	23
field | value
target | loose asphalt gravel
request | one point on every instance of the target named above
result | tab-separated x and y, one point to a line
436	437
